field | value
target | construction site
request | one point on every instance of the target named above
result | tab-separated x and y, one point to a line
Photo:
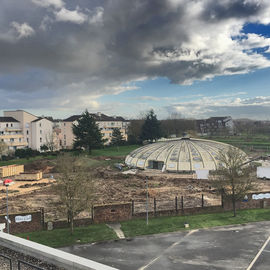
34	187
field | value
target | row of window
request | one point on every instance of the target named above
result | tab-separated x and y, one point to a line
10	140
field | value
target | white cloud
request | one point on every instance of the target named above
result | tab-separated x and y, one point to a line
116	43
23	30
74	16
254	108
252	40
97	16
48	3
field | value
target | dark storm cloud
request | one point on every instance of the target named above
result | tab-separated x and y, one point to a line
94	47
219	10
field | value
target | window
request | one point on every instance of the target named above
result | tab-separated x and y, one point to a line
40	131
6	125
40	139
11	125
64	124
27	140
27	132
40	124
12	139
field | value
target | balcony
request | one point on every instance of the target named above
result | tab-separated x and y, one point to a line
17	144
11	129
11	136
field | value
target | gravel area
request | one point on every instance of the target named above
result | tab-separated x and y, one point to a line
15	256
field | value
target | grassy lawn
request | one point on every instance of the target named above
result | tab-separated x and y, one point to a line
62	237
246	143
131	228
23	161
169	224
113	151
110	151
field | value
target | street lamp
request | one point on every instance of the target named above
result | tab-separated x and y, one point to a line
7	183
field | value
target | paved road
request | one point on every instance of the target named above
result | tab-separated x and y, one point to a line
220	248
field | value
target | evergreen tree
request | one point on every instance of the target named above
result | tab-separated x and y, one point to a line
151	130
117	138
87	133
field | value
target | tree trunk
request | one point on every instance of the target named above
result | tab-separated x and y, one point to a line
71	224
233	201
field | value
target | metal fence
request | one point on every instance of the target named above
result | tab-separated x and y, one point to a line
7	263
178	203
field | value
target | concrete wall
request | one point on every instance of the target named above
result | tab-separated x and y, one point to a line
50	255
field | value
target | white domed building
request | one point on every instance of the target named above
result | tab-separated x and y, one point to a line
183	155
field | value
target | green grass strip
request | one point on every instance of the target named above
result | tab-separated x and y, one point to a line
112	151
169	224
62	237
135	227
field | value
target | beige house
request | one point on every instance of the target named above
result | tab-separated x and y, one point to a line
36	131
11	133
105	123
25	120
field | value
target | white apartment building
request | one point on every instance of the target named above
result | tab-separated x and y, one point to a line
105	123
11	133
41	132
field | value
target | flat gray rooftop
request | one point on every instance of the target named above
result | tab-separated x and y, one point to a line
238	247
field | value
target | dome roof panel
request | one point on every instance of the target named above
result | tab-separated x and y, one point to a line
178	155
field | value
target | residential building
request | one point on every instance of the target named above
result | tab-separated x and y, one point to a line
11	133
105	123
36	131
215	126
24	118
41	133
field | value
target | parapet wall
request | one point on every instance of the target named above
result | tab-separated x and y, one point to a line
56	257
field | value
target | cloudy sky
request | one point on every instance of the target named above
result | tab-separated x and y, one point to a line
198	58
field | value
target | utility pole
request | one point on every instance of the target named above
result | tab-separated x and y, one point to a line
7	183
7	212
146	182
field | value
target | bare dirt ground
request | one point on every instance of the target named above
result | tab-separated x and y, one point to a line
113	186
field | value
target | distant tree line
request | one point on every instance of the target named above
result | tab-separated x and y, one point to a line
148	128
251	127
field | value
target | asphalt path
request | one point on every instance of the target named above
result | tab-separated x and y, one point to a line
241	247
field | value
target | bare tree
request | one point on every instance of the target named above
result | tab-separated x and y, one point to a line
50	141
234	179
75	186
3	148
